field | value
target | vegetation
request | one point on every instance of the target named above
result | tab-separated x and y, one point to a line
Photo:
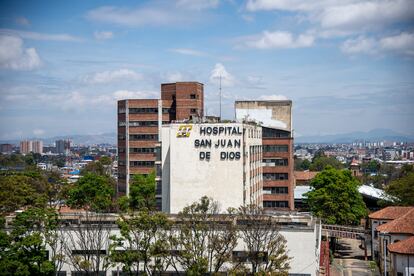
335	198
319	163
142	192
402	190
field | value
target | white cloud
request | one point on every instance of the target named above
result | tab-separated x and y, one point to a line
14	56
359	45
278	40
343	15
103	35
198	4
187	51
273	98
138	17
41	36
111	76
219	71
127	94
402	43
38	132
367	14
23	21
174	77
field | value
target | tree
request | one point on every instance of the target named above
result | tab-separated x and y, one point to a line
319	163
22	250
88	237
335	198
204	240
302	165
92	192
105	160
143	239
266	247
402	189
142	192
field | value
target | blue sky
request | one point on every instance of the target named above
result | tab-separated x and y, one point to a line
347	65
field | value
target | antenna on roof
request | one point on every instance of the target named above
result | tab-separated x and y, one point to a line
220	97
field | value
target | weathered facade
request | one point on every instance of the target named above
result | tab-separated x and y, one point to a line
275	117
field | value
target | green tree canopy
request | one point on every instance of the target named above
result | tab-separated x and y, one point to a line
142	192
402	189
319	163
335	198
93	192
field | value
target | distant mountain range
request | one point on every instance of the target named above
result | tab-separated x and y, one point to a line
372	136
87	139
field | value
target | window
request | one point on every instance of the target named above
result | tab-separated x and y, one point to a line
88	252
193	110
121	123
275	204
121	137
275	176
137	137
275	148
192	96
143	123
121	150
143	110
275	133
142	163
276	162
275	190
141	150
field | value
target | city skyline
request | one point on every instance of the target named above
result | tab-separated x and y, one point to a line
346	65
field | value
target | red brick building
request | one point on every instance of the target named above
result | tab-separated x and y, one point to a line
275	117
139	122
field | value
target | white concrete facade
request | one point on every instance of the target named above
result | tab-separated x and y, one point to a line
221	161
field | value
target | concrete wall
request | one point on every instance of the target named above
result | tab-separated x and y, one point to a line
274	114
192	167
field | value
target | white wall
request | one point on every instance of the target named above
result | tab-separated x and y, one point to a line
186	177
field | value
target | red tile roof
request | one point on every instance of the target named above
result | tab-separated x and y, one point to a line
401	225
391	212
304	175
403	247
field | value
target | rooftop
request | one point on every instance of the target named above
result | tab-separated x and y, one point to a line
305	175
390	213
401	225
403	247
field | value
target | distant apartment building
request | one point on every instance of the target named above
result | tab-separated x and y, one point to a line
28	146
6	148
25	147
62	146
275	117
37	146
139	128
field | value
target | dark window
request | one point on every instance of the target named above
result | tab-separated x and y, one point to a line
121	123
193	96
142	163
275	148
400	274
276	162
193	110
61	273
141	150
143	123
143	110
274	133
121	163
88	252
121	150
275	176
246	256
121	137
276	190
84	273
275	204
137	137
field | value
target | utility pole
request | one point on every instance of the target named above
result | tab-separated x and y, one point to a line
220	97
